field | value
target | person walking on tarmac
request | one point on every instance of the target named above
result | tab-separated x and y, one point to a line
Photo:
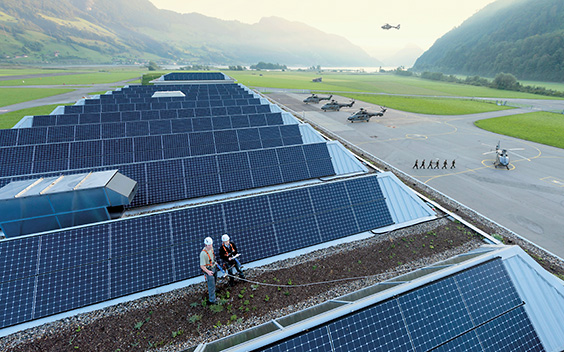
228	254
415	166
208	265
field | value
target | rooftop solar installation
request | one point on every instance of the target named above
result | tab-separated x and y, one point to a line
476	310
58	271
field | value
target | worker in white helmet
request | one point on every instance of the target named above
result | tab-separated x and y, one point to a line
229	254
208	265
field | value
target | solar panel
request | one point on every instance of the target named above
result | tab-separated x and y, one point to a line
104	261
433	317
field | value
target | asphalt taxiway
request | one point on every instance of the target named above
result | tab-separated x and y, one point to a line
527	199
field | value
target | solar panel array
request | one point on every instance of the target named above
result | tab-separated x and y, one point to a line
476	310
177	152
58	271
193	76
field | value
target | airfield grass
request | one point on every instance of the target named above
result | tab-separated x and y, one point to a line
10	96
335	82
431	106
77	79
540	127
9	119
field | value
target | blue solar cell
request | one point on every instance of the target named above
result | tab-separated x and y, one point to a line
8	137
219	110
378	328
110	107
363	189
174	105
113	130
232	162
248	135
263	108
67	119
372	215
166	191
289	155
317	340
202	185
228	136
137	128
89	118
130	116
297	233
466	343
320	168
257	120
73	109
91	108
195	167
334	224
57	134
202	111
316	151
143	271
240	121
18	259
43	120
510	332
187	259
437	304
169	114
202	124
266	176
493	278
85	149
248	109
160	127
76	287
150	115
181	126
87	132
142	107
148	155
118	158
262	158
221	122
32	135
110	117
246	213
274	118
232	109
236	180
252	249
16	305
189	105
138	235
51	151
294	172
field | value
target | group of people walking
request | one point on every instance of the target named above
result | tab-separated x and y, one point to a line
432	164
230	264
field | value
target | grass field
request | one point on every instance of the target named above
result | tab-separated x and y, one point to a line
10	96
9	119
540	127
372	83
432	106
77	79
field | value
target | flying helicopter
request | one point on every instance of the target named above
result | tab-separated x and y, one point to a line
333	105
313	98
364	115
501	156
389	26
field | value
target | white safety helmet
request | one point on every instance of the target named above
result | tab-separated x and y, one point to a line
225	238
208	241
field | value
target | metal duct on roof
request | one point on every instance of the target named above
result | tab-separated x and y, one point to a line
51	203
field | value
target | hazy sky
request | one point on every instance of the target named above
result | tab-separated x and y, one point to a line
422	21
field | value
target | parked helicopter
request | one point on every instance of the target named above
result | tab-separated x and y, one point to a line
313	98
333	105
364	115
389	26
501	156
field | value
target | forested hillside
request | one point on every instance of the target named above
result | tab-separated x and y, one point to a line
521	37
128	31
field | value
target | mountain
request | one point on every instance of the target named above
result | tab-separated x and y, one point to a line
104	31
521	37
